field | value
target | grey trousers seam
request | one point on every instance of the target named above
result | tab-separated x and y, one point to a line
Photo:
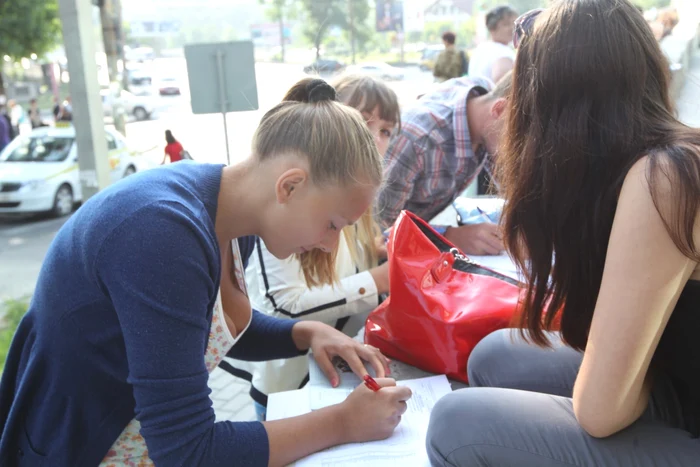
493	445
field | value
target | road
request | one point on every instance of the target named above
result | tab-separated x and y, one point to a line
23	243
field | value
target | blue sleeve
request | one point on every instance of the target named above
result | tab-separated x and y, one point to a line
157	268
267	338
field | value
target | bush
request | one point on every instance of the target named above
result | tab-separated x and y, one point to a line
12	312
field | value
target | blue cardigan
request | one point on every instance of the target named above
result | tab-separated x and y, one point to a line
118	327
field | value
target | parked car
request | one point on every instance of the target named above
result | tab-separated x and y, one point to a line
142	107
169	87
323	65
39	171
140	83
378	70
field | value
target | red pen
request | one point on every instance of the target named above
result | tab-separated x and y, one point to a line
371	383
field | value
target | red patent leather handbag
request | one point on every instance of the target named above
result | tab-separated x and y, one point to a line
441	303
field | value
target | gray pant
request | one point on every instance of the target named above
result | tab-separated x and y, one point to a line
518	412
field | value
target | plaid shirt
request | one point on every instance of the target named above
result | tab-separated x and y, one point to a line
430	161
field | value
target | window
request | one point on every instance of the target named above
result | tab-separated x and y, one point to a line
38	149
111	143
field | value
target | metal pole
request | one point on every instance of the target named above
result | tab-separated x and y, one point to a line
351	15
222	98
79	43
108	17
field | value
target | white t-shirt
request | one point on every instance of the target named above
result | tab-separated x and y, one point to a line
485	55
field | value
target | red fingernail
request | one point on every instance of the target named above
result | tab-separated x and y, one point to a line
334	382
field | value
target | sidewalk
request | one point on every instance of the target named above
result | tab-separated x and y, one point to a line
230	397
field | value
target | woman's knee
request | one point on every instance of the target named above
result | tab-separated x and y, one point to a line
502	427
483	365
504	359
452	425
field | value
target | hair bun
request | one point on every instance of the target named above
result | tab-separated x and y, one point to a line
318	91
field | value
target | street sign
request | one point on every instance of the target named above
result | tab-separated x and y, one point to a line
222	79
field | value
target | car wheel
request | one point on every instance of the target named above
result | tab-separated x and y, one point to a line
140	114
63	201
131	170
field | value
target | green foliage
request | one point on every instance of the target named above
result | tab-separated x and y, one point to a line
433	31
649	4
28	26
319	17
12	312
279	9
355	22
349	15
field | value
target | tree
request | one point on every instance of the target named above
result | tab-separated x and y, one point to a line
320	15
278	10
349	15
355	24
28	27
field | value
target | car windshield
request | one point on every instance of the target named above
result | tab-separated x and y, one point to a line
138	81
38	149
430	53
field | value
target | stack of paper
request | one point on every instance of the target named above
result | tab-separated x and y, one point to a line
499	263
321	393
405	448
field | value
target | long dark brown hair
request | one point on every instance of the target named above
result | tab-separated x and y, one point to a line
589	99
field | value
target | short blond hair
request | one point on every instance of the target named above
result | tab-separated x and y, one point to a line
334	138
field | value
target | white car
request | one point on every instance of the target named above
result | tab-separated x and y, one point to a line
378	70
39	171
142	107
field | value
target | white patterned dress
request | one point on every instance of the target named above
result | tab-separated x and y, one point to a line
129	450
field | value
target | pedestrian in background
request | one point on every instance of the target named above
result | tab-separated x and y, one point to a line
17	116
451	63
5	126
494	58
173	148
34	114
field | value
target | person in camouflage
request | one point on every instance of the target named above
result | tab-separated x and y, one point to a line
451	62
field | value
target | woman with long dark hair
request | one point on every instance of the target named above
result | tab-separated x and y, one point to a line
173	148
603	189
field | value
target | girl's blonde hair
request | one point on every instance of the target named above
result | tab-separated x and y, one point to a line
367	94
334	139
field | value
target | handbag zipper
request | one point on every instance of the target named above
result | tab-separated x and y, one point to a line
464	264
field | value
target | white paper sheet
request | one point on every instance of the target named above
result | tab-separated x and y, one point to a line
288	404
499	263
405	448
322	394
